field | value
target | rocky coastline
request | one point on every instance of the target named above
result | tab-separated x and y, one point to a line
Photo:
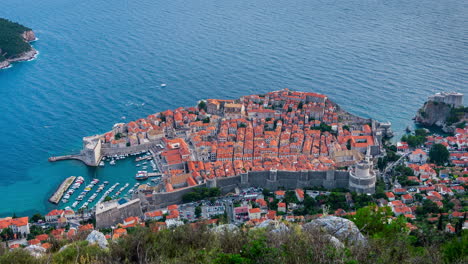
28	36
437	114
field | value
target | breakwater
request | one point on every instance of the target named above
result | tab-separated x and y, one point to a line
55	198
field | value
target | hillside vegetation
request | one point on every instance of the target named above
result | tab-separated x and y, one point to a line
199	243
12	43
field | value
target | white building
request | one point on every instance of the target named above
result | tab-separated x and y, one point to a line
18	225
418	156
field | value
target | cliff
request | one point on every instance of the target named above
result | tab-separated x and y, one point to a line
441	115
432	113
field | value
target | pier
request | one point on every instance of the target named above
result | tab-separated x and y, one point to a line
79	157
55	198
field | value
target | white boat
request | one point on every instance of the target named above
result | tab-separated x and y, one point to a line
101	164
163	85
75	204
112	162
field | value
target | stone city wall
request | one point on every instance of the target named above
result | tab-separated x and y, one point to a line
271	180
117	214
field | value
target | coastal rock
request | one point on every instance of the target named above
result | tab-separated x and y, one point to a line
343	229
35	251
25	56
4	64
433	113
99	238
29	36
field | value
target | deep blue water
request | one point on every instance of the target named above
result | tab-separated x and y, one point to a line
101	60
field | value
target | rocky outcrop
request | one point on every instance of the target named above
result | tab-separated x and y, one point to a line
35	251
29	36
438	114
342	229
433	113
273	226
4	64
225	228
99	238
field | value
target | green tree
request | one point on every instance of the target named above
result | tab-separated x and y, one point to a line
202	105
37	217
456	250
348	144
7	234
439	154
290	197
198	211
107	198
375	221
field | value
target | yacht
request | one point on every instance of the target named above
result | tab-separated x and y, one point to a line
141	175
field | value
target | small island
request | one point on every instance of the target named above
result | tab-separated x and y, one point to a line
14	43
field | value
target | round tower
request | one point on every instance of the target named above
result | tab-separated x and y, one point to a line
362	177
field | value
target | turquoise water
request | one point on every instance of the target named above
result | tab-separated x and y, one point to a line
102	60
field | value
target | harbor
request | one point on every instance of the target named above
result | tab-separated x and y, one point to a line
55	198
116	177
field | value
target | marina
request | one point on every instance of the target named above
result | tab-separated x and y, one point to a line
86	193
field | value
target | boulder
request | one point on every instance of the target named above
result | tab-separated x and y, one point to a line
343	229
225	228
35	251
273	226
335	241
97	237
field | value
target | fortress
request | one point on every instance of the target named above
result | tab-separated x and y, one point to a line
451	98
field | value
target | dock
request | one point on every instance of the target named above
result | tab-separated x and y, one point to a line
55	198
154	174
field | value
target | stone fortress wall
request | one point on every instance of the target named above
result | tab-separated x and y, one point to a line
271	180
111	213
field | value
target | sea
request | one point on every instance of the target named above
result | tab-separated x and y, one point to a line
103	61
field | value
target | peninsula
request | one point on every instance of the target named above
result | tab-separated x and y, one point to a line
14	43
282	138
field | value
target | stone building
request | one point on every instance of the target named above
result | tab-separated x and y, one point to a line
92	150
114	212
362	177
451	98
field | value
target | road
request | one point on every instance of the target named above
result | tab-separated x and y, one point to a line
387	177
